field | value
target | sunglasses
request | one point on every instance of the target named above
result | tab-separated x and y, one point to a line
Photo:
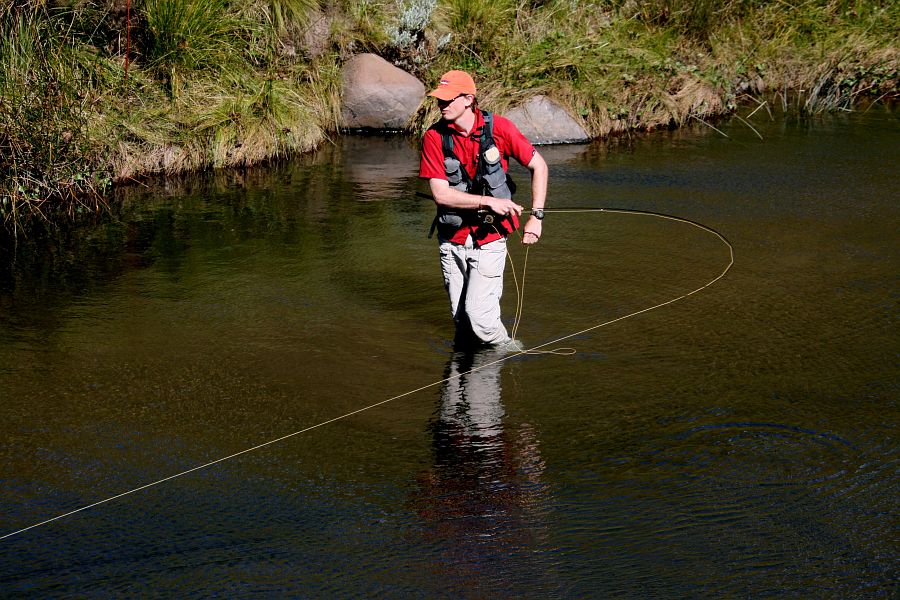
443	103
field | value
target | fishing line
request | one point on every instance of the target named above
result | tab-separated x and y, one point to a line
520	292
532	350
520	303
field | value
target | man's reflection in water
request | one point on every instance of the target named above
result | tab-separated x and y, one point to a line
482	502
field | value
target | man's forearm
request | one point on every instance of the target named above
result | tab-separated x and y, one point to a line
539	177
448	197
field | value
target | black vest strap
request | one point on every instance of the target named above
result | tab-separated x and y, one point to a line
485	136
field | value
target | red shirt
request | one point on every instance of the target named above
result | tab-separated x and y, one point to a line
510	142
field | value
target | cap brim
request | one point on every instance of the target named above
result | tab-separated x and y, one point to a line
444	94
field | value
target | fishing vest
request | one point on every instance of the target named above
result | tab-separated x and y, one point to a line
490	179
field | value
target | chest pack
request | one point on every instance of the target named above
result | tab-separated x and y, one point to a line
490	179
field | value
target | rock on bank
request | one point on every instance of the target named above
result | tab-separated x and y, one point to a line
379	96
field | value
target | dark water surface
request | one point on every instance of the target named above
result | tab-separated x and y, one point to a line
739	443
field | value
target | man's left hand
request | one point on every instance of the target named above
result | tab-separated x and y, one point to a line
533	230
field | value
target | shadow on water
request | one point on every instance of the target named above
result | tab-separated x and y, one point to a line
738	443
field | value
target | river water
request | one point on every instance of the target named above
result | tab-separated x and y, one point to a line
740	441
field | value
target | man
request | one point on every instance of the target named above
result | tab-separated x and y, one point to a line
465	159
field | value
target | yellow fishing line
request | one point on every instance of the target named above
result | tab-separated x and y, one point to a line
533	350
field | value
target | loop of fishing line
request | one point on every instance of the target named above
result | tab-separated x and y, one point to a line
532	350
520	303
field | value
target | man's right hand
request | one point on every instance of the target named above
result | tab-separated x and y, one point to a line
502	206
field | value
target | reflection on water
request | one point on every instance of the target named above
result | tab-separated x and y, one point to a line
738	443
482	502
379	171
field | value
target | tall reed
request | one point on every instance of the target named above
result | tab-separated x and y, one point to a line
46	151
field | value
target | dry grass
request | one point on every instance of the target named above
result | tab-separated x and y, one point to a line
643	65
215	84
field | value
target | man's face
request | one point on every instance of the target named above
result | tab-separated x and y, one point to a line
453	109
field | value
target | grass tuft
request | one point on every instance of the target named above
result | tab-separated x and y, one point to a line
187	36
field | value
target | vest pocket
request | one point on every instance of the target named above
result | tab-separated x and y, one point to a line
451	219
453	169
448	223
498	182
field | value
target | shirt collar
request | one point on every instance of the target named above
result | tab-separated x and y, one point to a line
479	124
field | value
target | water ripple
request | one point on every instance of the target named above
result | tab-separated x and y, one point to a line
768	454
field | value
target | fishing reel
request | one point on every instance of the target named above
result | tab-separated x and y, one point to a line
486	217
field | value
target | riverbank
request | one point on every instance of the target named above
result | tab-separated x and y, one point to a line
109	92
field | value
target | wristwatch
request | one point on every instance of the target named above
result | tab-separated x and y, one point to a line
538	213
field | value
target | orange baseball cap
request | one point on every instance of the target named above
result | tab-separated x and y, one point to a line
453	84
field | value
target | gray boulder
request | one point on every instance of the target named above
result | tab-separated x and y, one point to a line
378	95
543	121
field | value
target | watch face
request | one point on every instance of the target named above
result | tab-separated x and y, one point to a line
538	214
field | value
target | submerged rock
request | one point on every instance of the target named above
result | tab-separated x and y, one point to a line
378	95
543	121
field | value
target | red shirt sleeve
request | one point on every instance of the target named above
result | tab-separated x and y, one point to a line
511	142
431	165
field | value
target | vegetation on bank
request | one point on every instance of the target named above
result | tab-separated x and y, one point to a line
94	92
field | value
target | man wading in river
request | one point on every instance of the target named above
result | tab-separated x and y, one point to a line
465	158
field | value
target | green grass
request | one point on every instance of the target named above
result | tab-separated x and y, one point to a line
224	83
49	161
183	37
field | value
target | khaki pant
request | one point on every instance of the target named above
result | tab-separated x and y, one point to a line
473	278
